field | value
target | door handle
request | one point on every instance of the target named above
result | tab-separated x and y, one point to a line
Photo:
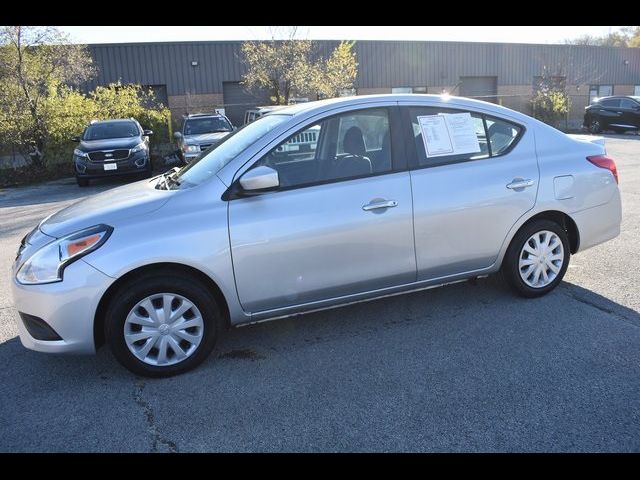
518	183
374	205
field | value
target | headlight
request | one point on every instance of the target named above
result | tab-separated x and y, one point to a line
79	153
138	148
190	148
48	263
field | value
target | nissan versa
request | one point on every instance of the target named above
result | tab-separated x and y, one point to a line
397	193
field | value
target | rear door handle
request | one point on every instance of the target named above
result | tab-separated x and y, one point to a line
518	183
374	205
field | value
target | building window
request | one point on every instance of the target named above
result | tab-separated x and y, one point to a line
598	91
402	90
636	91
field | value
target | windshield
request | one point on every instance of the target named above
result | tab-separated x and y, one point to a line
197	126
103	131
209	163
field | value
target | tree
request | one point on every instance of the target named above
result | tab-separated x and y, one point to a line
625	37
36	64
288	66
550	102
338	73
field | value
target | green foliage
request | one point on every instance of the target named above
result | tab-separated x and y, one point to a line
285	67
550	102
338	73
625	37
34	63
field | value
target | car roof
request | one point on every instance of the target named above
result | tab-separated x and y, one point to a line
409	98
198	115
632	97
114	120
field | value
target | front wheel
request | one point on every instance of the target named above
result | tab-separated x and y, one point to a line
537	258
162	324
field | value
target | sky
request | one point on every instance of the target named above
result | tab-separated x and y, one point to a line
510	34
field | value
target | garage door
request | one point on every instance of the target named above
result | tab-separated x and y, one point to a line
482	88
237	100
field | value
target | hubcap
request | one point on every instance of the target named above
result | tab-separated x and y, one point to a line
541	259
163	329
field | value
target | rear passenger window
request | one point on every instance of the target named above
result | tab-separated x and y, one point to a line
611	103
501	135
493	136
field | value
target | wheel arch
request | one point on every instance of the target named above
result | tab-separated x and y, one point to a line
206	280
561	218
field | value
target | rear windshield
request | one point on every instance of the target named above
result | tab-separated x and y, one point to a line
103	131
198	126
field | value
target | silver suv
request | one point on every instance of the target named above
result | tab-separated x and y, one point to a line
200	131
377	195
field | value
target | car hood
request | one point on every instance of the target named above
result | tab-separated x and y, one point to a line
205	137
109	144
139	198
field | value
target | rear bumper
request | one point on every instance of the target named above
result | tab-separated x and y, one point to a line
67	307
599	224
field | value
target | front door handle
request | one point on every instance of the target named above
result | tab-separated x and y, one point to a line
376	204
520	183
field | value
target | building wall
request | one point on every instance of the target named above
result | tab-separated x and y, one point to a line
382	65
193	103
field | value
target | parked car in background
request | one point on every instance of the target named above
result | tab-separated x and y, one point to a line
112	147
200	131
398	193
255	113
617	113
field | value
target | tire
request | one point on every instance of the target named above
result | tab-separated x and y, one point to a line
511	270
595	126
82	182
121	309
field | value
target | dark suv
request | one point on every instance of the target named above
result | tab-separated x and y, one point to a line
112	147
615	113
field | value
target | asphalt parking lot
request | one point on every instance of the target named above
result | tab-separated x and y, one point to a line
467	367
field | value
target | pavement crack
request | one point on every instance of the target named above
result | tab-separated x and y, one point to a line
604	309
159	442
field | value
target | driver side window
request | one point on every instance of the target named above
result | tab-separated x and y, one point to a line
351	145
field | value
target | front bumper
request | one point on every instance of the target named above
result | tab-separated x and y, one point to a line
136	163
68	307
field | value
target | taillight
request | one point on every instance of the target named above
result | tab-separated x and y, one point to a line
603	161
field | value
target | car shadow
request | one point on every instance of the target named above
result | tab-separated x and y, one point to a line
472	339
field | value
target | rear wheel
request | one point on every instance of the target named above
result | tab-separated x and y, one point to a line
595	126
82	182
537	258
162	324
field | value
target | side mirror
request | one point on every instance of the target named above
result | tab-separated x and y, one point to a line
234	129
260	179
177	135
147	133
75	139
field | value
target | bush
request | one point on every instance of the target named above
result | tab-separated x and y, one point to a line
550	105
66	112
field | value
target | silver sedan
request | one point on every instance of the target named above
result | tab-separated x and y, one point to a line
310	207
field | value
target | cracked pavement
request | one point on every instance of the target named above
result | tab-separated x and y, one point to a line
467	367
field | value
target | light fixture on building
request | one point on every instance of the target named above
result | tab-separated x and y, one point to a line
194	63
626	62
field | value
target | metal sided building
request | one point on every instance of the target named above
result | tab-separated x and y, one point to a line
197	76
